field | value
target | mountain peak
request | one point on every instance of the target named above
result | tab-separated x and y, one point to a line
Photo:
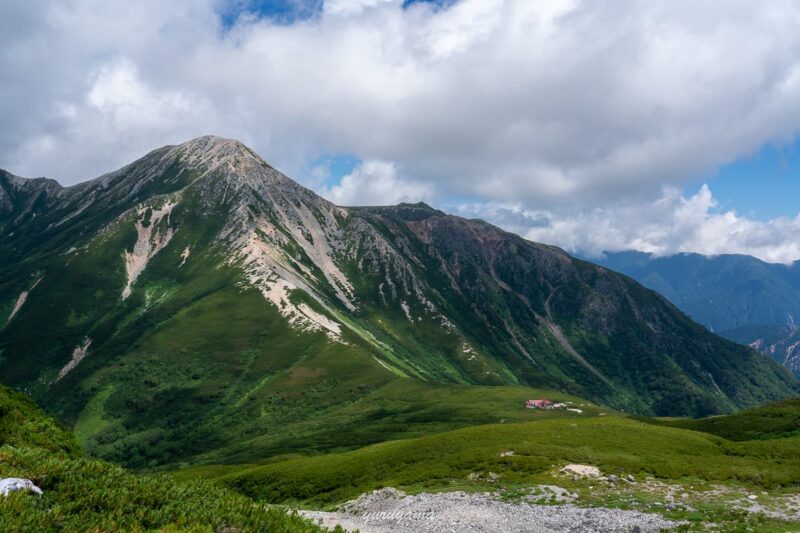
222	160
211	143
200	264
418	205
212	151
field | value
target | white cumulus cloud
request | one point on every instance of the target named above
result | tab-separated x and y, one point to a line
351	7
559	105
377	183
667	225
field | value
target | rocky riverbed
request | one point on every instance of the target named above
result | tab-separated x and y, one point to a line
389	510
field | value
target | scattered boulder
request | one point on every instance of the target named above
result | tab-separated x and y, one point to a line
612	478
486	512
376	500
582	470
630	478
550	494
491	477
13	484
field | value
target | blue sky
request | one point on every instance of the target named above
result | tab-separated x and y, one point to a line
287	11
280	10
330	169
763	186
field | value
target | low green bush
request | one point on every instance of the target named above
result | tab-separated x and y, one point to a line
616	445
82	494
774	420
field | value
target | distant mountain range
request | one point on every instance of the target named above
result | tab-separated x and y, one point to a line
738	296
198	300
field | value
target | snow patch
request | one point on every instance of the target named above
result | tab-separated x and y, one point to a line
77	356
149	241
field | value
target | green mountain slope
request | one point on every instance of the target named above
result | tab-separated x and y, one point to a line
80	494
772	421
722	292
741	297
198	302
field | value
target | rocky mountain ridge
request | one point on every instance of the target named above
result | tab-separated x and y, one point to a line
198	287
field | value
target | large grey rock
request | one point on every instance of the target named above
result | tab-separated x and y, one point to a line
13	484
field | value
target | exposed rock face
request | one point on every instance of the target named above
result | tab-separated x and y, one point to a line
150	239
149	260
582	470
12	484
78	354
21	299
782	344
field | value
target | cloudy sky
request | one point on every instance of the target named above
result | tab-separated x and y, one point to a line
658	125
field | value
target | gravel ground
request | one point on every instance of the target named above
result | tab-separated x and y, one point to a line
391	511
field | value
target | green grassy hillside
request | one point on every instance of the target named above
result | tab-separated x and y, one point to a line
400	409
82	494
707	481
772	421
615	444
